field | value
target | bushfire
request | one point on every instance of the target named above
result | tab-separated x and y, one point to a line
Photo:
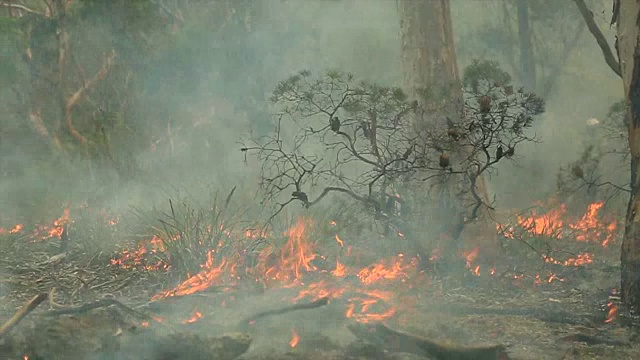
370	293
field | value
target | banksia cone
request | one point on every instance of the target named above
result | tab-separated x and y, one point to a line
454	133
485	104
577	171
444	160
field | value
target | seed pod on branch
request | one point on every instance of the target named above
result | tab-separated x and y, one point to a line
454	133
577	171
366	130
300	196
499	153
334	123
511	150
407	153
444	160
508	90
485	104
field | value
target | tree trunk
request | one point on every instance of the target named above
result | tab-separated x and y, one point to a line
429	62
628	22
428	54
527	63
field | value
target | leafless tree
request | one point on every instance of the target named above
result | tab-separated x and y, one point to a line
337	135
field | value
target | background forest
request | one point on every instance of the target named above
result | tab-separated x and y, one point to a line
211	160
166	89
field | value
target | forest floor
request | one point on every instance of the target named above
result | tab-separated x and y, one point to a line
303	306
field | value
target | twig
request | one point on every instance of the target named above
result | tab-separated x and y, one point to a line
600	39
96	305
52	300
20	314
21	7
73	100
307	306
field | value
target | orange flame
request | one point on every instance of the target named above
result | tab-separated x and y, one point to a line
199	282
340	270
59	223
587	228
365	313
382	271
295	257
195	317
612	313
295	339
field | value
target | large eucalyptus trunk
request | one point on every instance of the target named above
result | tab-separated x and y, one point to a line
428	54
628	22
429	62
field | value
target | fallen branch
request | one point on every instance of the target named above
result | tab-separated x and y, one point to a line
20	314
96	305
593	340
287	309
397	341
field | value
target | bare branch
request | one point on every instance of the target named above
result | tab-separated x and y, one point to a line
599	36
72	100
22	8
358	139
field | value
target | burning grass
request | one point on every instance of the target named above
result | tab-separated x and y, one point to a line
217	265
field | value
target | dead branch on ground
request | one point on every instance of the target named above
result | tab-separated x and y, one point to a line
397	341
20	314
287	309
97	305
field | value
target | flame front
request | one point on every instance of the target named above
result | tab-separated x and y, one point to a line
371	293
588	228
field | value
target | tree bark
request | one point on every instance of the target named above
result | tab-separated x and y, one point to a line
527	62
429	62
628	28
428	54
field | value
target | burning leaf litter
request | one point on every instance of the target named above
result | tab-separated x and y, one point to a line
295	264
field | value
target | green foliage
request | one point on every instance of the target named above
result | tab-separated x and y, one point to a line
485	74
189	229
486	79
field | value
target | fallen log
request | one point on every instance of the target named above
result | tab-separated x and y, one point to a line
20	314
397	341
